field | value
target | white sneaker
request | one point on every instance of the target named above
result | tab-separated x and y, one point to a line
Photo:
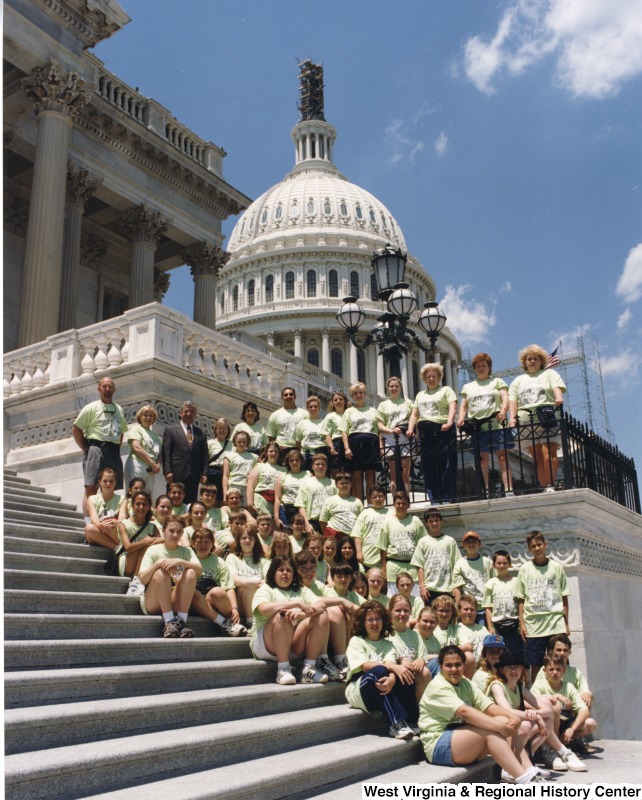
401	730
135	588
553	761
331	670
343	667
313	675
543	772
574	763
506	777
509	494
549	490
284	677
234	628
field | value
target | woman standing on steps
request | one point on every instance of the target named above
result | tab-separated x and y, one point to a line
169	573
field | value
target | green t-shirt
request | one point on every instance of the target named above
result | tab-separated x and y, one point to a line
475	635
438	707
367	528
223	538
147	439
216	519
267	594
530	391
571	676
308	432
216	569
542	589
158	552
359	420
290	485
240	466
216	451
433	404
500	597
431	647
471	576
437	557
312	494
449	635
282	424
543	687
330	425
482	680
400	539
393	413
484	398
408	644
256	432
360	651
107	508
341	513
245	567
353	597
102	421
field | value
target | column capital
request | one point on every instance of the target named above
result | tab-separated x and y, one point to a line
53	89
81	185
92	250
143	224
205	258
161	284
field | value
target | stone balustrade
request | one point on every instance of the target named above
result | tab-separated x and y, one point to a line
157	118
157	332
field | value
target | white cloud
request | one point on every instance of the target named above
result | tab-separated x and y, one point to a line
469	320
619	366
404	148
567	338
441	145
596	44
629	285
506	288
624	319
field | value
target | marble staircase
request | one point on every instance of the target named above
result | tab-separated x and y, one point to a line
98	705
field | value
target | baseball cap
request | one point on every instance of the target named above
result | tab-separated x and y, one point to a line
471	535
493	640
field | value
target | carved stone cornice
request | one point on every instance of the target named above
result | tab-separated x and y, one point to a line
81	185
205	258
52	89
92	250
143	224
15	214
88	23
161	284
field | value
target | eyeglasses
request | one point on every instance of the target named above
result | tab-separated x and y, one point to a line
373	620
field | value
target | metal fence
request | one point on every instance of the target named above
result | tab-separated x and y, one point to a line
545	452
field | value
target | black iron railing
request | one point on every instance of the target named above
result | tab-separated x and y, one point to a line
548	451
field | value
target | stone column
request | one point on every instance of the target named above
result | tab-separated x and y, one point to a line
381	375
80	187
297	343
354	364
270	339
143	227
325	350
445	363
205	261
404	376
161	284
57	97
371	374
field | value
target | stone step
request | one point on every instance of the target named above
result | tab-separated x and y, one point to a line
297	772
34	601
38	499
415	774
41	547
29	561
68	771
99	626
20	530
55	686
37	729
72	653
41	512
12	478
46	521
26	579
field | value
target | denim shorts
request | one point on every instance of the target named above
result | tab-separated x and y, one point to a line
433	666
442	754
536	649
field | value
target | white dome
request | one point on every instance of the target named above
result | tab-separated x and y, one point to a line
317	202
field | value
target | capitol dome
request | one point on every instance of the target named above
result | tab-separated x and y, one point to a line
307	243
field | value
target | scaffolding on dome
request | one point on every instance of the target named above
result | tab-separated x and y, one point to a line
581	370
311	90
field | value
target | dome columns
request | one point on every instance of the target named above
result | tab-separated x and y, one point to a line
205	261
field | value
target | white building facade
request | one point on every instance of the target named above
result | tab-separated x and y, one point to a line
302	247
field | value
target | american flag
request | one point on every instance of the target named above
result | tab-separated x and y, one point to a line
553	360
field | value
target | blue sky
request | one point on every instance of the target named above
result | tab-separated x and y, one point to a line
504	136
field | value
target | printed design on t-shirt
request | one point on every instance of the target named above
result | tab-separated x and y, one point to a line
532	395
542	596
428	408
474	583
481	402
437	567
403	544
503	602
109	423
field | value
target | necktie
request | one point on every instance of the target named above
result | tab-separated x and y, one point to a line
190	437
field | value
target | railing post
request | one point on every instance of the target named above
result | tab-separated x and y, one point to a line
566	452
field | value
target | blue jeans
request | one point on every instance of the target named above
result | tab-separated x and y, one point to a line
399	705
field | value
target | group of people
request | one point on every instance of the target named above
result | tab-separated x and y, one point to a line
265	532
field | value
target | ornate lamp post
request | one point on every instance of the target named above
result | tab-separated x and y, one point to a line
391	333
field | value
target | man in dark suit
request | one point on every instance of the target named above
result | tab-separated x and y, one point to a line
185	452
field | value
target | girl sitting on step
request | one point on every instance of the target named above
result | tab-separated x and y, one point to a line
136	534
102	525
169	573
